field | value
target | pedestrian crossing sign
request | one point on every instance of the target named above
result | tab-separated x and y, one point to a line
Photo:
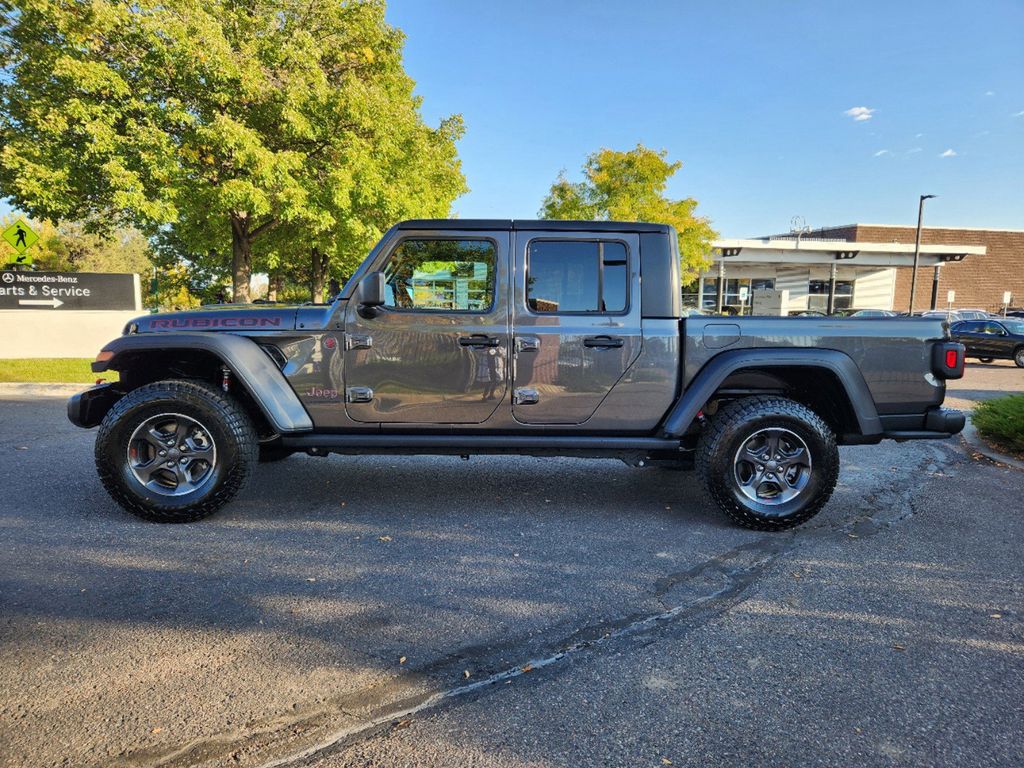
20	237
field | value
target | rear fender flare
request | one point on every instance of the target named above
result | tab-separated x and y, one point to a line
720	367
248	363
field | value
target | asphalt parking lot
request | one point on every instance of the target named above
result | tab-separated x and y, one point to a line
510	612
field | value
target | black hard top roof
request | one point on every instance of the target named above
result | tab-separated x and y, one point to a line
538	225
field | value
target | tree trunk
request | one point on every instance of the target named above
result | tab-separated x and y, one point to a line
241	258
318	275
275	286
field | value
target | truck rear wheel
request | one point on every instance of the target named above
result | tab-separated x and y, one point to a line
768	462
175	451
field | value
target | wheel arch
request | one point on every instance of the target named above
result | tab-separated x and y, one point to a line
826	381
256	380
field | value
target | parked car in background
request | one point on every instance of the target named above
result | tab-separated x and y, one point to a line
974	314
873	313
952	315
989	340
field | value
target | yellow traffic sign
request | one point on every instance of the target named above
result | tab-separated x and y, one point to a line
20	237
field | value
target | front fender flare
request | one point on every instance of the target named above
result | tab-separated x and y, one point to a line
248	363
720	367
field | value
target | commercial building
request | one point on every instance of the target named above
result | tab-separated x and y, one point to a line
822	273
978	283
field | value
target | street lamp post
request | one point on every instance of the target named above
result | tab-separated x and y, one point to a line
917	249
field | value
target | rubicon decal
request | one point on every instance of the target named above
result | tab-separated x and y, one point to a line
216	322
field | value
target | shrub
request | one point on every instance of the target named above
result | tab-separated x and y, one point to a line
1002	420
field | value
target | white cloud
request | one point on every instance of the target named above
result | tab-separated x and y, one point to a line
948	153
860	114
881	152
1019	114
990	93
918	135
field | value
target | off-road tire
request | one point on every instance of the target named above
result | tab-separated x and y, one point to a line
229	426
985	359
1018	357
737	422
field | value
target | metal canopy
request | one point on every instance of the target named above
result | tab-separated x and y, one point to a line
826	252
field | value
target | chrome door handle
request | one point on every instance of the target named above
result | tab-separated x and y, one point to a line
525	396
359	395
603	342
527	343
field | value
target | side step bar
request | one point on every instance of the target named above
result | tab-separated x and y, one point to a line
469	444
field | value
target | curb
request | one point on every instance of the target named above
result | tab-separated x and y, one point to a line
973	440
33	389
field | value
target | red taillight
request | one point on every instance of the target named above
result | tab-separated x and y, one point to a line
948	360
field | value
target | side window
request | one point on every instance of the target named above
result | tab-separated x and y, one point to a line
441	275
566	276
994	328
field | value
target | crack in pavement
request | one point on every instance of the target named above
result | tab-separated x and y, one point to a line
692	597
701	592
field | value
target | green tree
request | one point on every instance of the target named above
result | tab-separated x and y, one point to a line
630	186
121	250
225	119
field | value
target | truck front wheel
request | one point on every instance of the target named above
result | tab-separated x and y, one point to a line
768	462
175	451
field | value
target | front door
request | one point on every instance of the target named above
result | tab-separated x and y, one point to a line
576	321
437	351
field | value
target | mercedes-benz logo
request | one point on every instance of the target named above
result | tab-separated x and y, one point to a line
8	277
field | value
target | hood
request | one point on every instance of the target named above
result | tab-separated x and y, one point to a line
223	317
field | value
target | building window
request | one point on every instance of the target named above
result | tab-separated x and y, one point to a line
731	301
817	295
441	275
577	276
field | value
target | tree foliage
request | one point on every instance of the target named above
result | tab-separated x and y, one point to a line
252	129
630	186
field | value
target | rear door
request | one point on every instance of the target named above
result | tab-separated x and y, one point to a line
437	351
576	322
968	333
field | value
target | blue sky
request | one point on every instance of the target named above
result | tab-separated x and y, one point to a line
753	98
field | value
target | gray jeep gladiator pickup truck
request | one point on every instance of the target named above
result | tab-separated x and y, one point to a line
542	338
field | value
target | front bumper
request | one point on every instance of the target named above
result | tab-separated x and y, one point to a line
87	409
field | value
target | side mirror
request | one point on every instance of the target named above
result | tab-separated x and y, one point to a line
371	290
